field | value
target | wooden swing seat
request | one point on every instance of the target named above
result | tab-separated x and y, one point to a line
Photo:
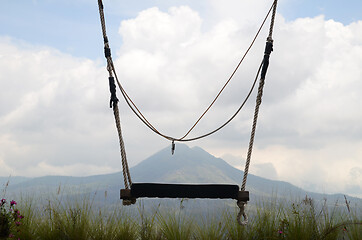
163	190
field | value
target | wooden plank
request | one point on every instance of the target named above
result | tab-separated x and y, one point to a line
160	190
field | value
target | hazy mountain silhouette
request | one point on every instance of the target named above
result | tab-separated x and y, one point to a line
187	165
195	165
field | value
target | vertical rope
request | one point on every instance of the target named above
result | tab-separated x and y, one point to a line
252	135
273	19
241	204
268	50
126	173
114	102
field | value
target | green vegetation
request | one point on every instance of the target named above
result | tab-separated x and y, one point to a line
58	218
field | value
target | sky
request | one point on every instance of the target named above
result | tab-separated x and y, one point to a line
172	58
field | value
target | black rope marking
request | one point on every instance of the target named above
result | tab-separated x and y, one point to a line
112	88
268	50
107	52
173	147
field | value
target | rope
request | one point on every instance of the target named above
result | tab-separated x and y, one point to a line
227	82
126	173
271	28
114	104
268	50
252	135
217	129
242	213
139	114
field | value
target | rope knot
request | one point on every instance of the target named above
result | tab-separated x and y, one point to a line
241	205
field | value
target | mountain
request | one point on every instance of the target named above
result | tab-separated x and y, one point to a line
187	165
195	165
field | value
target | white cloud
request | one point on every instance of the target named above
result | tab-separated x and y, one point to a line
267	170
76	169
329	169
162	31
50	106
54	113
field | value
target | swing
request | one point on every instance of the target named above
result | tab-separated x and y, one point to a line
160	190
132	191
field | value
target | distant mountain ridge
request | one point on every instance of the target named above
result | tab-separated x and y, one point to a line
195	165
187	165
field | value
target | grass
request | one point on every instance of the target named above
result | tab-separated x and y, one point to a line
58	218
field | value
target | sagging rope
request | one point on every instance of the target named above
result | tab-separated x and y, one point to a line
267	52
139	114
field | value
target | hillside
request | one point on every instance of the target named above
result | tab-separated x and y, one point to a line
187	165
